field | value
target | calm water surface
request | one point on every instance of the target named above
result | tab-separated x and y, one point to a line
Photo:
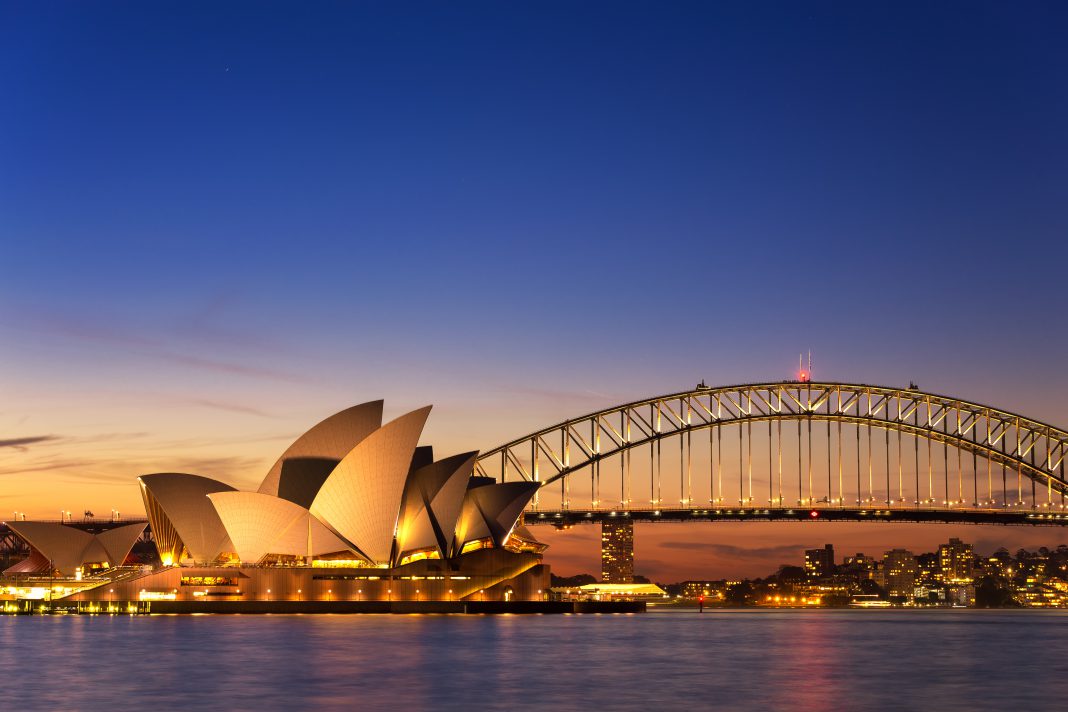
808	660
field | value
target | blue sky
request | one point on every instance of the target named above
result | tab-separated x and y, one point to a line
220	223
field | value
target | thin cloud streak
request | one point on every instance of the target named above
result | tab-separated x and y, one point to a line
80	329
95	471
231	407
229	367
734	551
146	346
22	444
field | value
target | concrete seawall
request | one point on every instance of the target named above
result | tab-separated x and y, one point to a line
395	607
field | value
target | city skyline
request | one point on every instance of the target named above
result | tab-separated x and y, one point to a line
953	575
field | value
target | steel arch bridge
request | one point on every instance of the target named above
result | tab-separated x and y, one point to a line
860	453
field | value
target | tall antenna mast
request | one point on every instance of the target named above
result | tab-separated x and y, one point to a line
804	375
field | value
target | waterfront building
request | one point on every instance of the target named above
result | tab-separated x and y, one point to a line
819	562
929	572
617	551
711	590
922	595
900	573
858	567
610	592
955	565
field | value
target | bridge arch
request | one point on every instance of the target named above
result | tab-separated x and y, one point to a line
1030	448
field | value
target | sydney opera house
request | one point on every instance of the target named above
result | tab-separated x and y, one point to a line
354	510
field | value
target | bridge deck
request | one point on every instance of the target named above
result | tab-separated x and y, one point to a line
957	515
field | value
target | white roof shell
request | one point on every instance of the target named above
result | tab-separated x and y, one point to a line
361	500
331	438
433	501
67	548
259	524
184	503
492	511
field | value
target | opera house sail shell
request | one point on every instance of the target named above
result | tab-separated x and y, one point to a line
57	547
182	517
325	444
361	499
491	511
433	501
259	524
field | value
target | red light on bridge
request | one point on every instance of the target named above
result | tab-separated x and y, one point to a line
804	375
813	514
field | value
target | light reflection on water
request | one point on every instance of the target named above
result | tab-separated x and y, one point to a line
808	660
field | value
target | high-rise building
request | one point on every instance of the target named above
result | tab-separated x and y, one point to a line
900	572
819	562
955	562
617	551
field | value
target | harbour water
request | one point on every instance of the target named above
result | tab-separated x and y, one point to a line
733	659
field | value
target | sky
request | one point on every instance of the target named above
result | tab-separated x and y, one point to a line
221	223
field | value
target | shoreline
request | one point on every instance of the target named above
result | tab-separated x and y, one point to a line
337	607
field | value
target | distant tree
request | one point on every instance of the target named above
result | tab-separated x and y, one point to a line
836	600
870	588
740	594
989	593
638	578
571	581
790	574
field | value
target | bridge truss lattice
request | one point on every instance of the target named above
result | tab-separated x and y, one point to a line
816	444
